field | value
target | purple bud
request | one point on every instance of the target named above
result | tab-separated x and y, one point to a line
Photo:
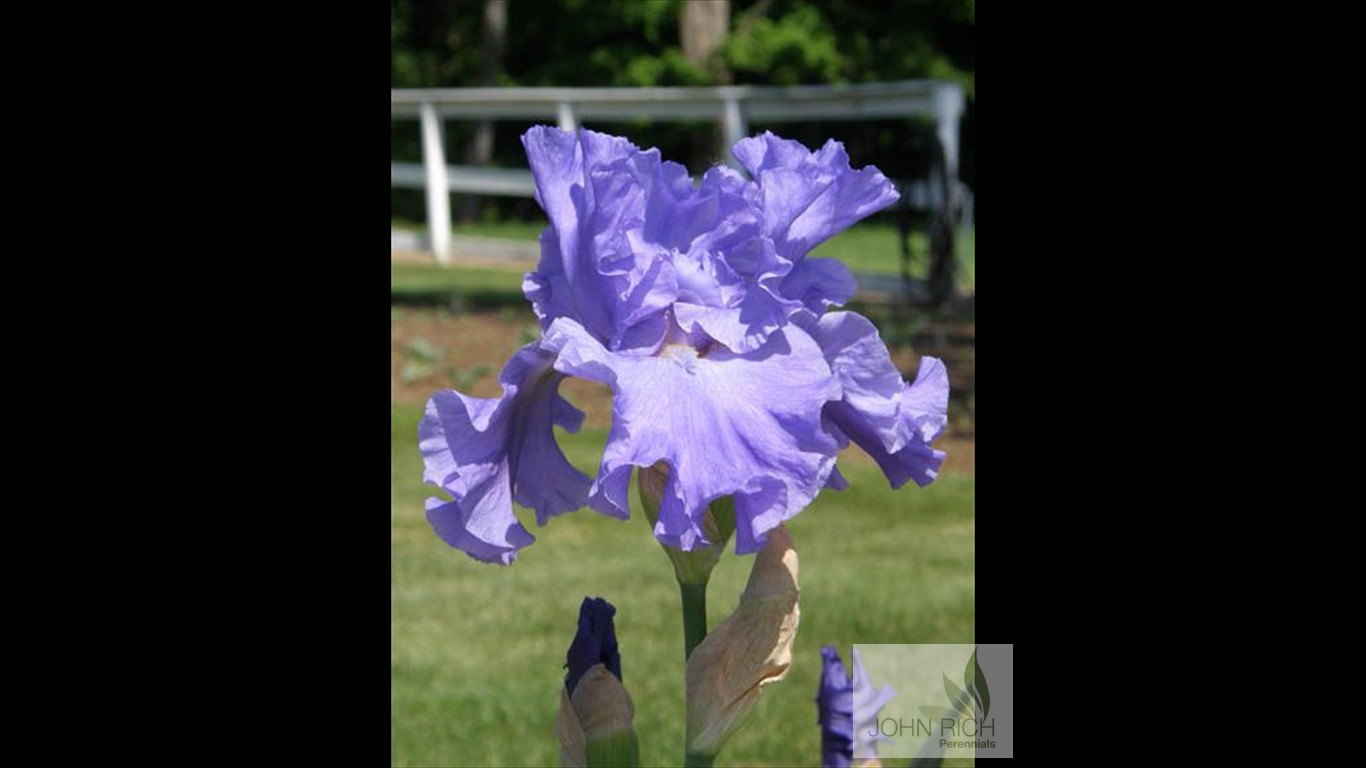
594	643
835	703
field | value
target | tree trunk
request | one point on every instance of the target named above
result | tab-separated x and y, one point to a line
480	149
702	27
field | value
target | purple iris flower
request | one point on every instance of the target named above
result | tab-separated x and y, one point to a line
848	711
595	642
700	305
835	705
868	702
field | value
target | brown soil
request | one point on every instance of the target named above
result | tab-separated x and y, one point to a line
467	341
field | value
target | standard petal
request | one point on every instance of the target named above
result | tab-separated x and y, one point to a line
593	188
743	328
808	197
745	325
487	451
675	213
717	215
725	423
894	422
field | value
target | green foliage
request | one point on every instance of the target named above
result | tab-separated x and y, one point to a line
423	359
799	41
604	42
797	47
637	43
434	44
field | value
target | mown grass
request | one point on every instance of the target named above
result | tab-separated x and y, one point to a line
477	651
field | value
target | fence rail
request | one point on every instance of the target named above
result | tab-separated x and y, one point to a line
733	106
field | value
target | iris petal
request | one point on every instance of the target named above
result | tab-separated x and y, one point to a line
809	197
592	187
487	451
894	422
726	423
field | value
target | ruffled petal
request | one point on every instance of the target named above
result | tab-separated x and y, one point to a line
593	188
743	328
871	382
744	325
726	423
674	212
718	215
808	197
926	401
819	284
895	423
487	451
916	460
652	288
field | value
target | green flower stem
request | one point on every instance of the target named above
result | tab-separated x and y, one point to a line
694	615
691	569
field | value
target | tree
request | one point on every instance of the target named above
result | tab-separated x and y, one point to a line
702	28
479	151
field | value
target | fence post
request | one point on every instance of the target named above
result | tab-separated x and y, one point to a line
438	187
948	110
735	129
566	114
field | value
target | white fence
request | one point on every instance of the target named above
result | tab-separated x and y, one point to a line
734	106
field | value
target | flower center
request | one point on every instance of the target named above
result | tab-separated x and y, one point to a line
684	354
680	352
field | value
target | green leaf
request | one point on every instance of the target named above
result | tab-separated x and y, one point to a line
977	683
424	350
413	370
957	696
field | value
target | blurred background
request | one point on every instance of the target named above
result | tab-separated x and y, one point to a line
477	651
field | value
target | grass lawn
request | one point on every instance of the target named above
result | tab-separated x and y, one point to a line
871	248
477	651
435	285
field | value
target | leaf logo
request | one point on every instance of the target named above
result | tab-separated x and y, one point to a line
977	693
976	683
